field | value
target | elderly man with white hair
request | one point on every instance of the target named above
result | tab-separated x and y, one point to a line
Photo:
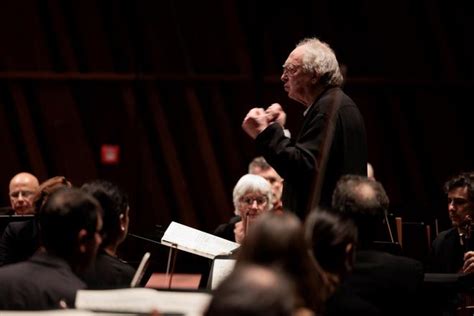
331	141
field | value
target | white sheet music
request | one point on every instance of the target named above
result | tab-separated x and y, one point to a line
221	268
57	312
195	241
143	300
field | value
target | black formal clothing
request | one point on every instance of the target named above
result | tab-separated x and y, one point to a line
19	241
344	302
226	230
39	283
298	160
447	252
391	283
109	272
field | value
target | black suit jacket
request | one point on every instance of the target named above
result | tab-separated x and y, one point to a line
109	273
37	284
19	241
297	160
391	283
226	230
344	302
447	252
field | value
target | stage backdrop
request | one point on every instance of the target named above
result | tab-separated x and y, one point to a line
169	82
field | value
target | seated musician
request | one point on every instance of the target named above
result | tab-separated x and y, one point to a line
109	271
391	283
453	250
252	196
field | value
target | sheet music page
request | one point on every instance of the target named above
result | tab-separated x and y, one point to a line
58	312
197	242
142	300
220	270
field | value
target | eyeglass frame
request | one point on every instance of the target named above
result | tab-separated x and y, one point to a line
248	201
290	69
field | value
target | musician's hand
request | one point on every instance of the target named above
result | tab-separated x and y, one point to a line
239	232
468	266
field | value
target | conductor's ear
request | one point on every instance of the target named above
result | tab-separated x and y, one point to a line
315	77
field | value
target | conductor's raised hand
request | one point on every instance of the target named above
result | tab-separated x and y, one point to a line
255	122
276	114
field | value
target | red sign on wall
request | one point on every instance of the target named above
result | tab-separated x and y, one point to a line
110	154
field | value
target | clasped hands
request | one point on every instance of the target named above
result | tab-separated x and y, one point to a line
258	119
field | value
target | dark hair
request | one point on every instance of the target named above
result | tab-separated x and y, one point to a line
465	179
363	200
253	291
113	202
278	240
66	212
328	235
351	198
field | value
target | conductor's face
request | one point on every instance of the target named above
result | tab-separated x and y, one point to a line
297	80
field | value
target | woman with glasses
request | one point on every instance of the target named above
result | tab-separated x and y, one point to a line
252	197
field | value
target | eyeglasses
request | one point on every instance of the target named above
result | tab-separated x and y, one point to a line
248	200
290	69
25	194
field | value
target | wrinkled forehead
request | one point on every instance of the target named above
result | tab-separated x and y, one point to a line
23	186
296	56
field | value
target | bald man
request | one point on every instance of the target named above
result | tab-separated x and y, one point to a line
22	189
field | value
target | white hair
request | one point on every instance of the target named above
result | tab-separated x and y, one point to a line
251	183
320	57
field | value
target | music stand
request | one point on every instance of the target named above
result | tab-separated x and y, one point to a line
172	252
7	219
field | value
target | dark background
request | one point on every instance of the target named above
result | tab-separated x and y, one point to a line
170	81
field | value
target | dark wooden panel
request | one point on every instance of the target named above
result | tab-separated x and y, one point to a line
170	82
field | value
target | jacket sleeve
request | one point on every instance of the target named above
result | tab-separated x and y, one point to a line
294	158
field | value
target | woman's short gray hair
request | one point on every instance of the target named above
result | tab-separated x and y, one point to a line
251	183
